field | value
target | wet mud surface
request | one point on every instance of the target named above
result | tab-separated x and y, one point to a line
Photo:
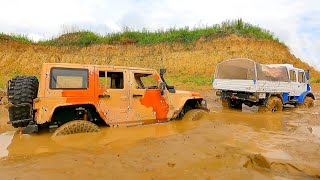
227	144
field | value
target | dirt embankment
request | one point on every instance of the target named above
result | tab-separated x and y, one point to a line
198	59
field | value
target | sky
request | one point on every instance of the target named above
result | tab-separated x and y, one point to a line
295	22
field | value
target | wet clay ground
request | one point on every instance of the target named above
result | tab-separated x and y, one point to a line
227	144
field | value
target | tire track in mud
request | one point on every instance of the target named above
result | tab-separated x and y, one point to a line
281	168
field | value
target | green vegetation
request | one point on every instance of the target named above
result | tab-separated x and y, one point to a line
15	37
187	35
81	38
189	80
173	35
315	80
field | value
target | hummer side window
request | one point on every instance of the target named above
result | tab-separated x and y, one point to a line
110	80
301	77
145	81
292	75
67	78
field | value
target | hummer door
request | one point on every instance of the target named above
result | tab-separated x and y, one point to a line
113	92
146	101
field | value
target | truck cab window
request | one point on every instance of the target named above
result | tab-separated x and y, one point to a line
293	76
145	81
301	77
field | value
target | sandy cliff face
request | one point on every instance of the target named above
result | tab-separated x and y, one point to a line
199	58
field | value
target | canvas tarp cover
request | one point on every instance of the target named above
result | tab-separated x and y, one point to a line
245	69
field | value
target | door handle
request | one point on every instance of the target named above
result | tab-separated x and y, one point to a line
104	96
137	95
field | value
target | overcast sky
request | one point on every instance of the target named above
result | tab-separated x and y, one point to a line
296	22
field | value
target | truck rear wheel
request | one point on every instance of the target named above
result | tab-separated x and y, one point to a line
194	114
235	104
307	102
225	103
274	104
21	92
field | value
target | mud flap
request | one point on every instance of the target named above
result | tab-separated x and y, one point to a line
31	128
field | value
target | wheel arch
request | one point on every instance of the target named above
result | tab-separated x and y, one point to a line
188	104
311	95
59	109
277	95
305	94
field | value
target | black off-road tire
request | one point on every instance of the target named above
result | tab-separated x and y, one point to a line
236	104
194	114
22	90
274	104
231	104
226	103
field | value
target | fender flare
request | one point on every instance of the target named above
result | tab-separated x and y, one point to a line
304	94
279	95
183	102
75	104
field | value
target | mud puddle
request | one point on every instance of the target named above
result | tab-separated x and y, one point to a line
227	144
16	145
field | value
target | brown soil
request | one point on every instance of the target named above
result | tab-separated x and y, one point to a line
198	59
228	144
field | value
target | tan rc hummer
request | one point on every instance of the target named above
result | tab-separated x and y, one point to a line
74	98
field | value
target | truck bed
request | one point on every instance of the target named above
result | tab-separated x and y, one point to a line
251	85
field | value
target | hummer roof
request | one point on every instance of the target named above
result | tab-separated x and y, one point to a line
74	65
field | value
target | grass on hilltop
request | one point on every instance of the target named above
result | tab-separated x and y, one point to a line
79	37
15	37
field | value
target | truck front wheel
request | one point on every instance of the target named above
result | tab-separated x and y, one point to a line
274	104
307	102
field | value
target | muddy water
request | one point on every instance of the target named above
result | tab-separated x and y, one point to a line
226	144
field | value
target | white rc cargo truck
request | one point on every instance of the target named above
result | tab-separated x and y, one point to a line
268	86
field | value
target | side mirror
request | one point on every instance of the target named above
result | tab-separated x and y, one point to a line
307	73
162	87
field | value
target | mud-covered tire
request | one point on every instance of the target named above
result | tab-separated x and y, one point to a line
76	126
22	90
194	114
225	103
274	104
307	102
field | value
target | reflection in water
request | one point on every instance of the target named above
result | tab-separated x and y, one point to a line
22	145
18	145
122	138
268	121
5	139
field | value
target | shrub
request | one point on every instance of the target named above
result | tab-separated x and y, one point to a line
78	37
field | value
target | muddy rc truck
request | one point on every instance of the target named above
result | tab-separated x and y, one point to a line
74	95
243	81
